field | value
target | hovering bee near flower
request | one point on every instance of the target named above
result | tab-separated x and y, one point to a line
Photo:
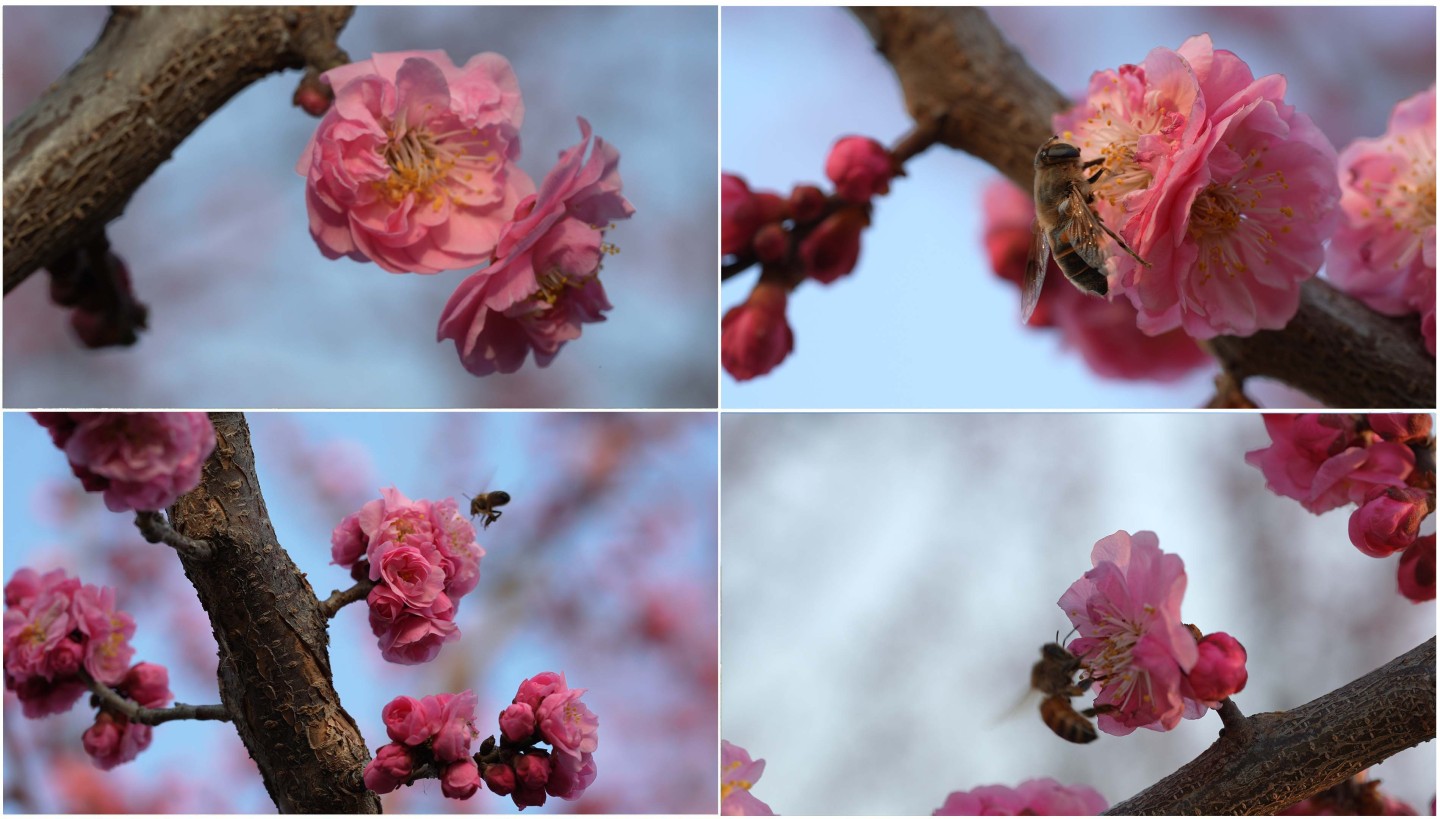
486	506
1067	225
1054	676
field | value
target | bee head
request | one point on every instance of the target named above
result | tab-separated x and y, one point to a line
1055	152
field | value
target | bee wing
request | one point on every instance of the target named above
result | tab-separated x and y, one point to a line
1082	228
1034	273
1026	702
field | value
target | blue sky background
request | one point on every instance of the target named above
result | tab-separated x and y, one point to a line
923	322
918	558
245	312
613	520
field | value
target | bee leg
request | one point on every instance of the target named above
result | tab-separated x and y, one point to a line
1099	709
1121	243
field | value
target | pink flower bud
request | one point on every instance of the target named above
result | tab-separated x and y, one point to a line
860	167
517	722
538	687
1388	521
500	779
148	684
313	96
532	770
1417	570
528	797
390	768
347	542
755	337
772	243
114	740
743	212
807	202
833	248
1220	671
461	779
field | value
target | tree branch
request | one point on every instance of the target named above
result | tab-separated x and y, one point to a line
113	702
156	529
954	63
337	600
1277	759
74	158
274	673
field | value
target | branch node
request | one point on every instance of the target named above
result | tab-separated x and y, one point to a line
156	529
337	600
108	700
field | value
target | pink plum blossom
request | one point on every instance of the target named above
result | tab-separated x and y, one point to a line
457	731
409	721
1384	250
1322	461
1389	520
1033	797
532	770
460	779
535	689
1417	570
567	724
413	578
860	167
1127	611
570	775
114	740
517	722
738	774
543	283
411	167
390	768
415	636
139	460
1219	670
755	336
1227	191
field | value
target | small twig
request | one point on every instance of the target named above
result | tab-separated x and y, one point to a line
1237	728
131	710
340	599
156	529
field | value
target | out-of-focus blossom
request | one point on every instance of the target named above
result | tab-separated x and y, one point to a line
500	779
114	740
1388	521
1417	570
743	212
570	775
1227	191
1384	250
833	248
1401	427
390	768
148	684
544	282
755	336
738	774
532	770
860	167
460	780
1219	671
1127	612
139	460
1033	797
347	542
411	167
1102	331
1321	460
1356	796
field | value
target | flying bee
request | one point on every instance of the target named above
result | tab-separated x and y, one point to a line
487	505
1066	224
1054	676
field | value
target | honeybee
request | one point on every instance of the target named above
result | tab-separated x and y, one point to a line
1066	224
487	504
1054	676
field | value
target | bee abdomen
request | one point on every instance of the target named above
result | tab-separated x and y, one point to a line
1067	723
1077	270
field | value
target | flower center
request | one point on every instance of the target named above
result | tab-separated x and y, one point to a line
417	163
1215	214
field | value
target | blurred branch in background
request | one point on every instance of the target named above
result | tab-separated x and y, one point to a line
1295	754
75	157
953	63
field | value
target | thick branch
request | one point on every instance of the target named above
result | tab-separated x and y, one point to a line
274	674
1291	755
953	62
113	702
74	158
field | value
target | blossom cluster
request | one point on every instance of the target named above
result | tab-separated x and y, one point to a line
437	733
1033	797
1228	192
738	774
1383	252
1383	463
138	460
423	558
1102	331
413	168
1152	669
438	730
57	631
805	235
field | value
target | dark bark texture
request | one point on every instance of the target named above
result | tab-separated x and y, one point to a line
74	158
1291	755
275	677
953	63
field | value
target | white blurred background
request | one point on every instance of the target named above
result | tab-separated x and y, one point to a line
888	581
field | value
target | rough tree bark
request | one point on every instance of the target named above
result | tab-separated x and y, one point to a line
275	677
1273	760
953	63
75	157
